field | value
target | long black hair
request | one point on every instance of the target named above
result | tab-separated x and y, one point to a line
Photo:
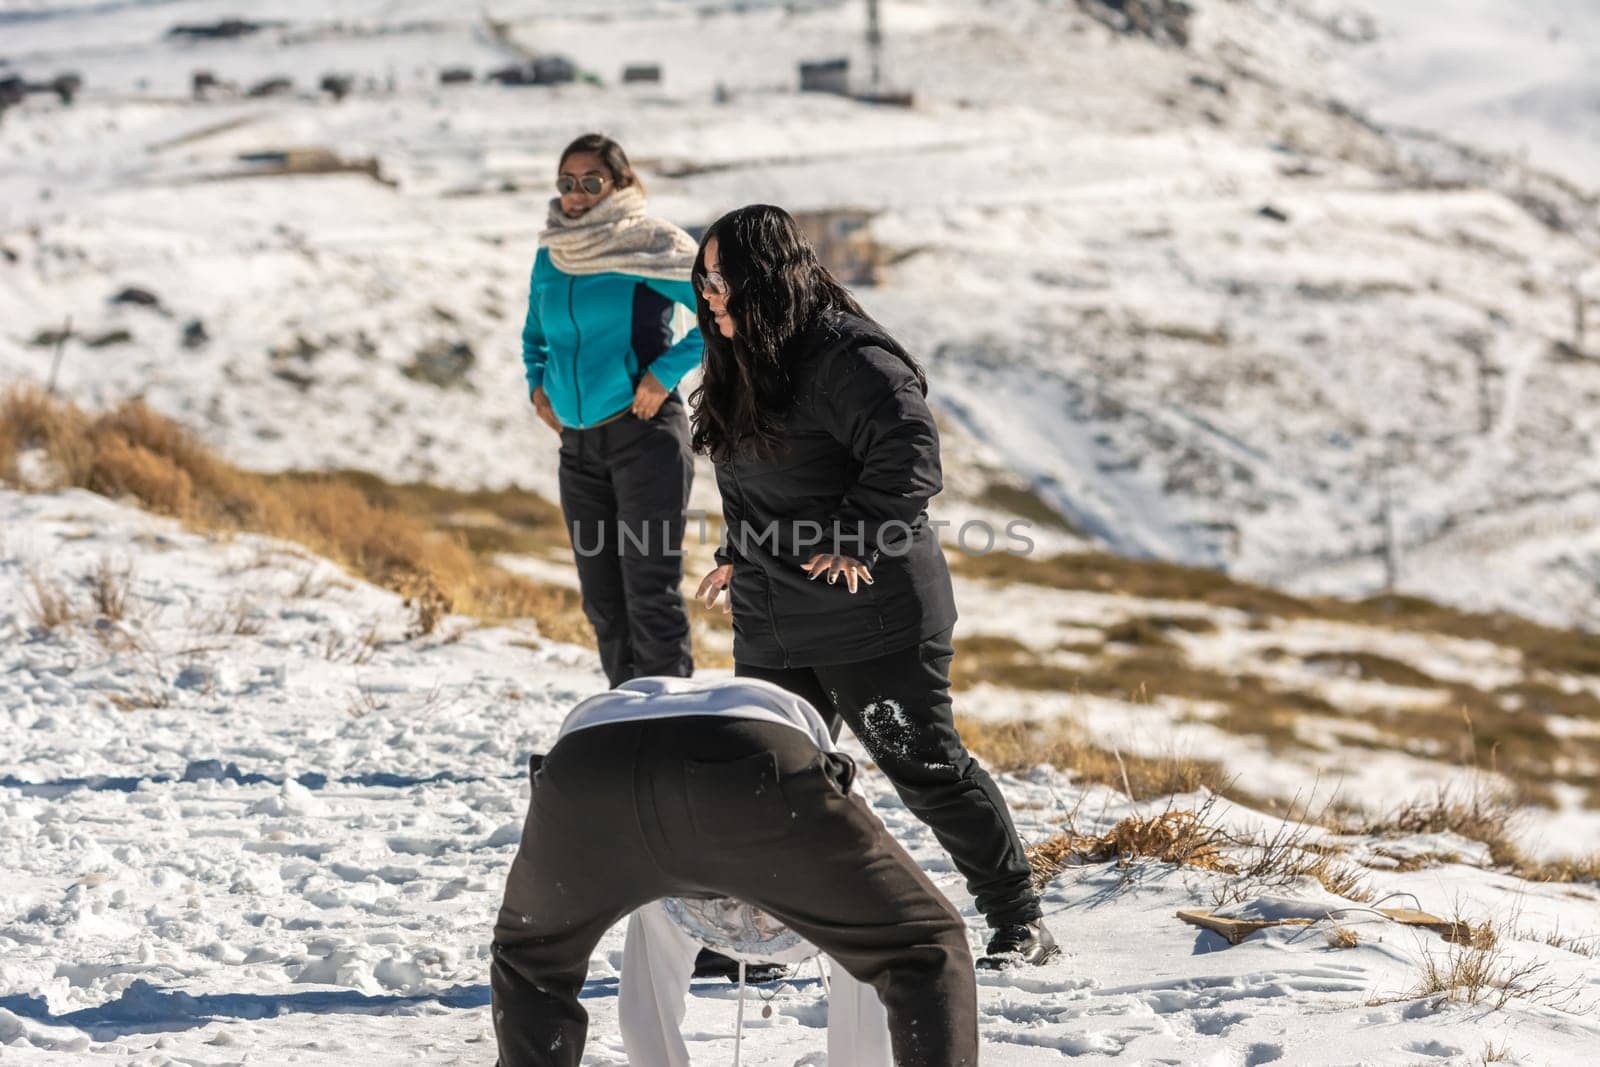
778	289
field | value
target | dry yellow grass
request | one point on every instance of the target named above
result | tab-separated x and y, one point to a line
1343	937
1505	730
1012	746
131	451
49	605
1177	837
1480	813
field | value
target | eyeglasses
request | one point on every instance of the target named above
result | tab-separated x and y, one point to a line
712	282
589	183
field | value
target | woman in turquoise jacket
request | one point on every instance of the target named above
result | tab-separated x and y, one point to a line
603	370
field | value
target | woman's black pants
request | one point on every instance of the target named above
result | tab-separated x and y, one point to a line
629	812
624	488
898	706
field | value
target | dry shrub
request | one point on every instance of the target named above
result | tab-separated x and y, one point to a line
108	587
141	697
132	451
121	468
1276	861
1479	814
1343	937
1180	837
1177	837
50	606
31	419
1500	1053
1583	946
1416	861
1569	869
1473	975
239	618
559	610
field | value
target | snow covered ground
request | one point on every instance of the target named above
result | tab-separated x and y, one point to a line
1519	76
1208	312
1201	308
248	822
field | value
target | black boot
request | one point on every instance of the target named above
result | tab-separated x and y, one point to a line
709	964
1020	943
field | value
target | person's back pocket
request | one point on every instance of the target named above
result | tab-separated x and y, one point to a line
738	802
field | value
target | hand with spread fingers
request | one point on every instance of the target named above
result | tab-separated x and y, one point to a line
713	585
648	397
852	570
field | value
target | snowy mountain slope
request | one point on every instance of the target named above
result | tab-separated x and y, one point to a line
288	841
1518	77
1070	223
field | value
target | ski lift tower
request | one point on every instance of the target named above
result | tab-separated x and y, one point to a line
875	45
876	93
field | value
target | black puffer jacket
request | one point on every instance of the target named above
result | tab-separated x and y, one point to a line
858	464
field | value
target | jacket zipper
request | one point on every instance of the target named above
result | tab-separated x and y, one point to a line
577	386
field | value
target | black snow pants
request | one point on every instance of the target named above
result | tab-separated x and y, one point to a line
624	488
629	812
898	706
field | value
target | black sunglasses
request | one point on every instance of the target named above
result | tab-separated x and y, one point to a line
589	183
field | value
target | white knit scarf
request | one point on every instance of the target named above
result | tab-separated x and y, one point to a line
617	236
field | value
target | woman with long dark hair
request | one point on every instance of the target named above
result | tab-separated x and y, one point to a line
826	456
602	371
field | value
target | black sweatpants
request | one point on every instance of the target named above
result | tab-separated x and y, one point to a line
626	813
898	706
624	488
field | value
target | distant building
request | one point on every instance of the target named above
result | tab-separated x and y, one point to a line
826	76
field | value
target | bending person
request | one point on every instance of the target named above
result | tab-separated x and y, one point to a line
827	456
678	788
602	372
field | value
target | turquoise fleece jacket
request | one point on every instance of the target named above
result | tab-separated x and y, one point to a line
589	338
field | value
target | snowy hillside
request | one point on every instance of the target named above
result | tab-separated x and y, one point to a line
1519	76
1210	313
244	819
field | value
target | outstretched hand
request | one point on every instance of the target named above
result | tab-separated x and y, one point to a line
852	570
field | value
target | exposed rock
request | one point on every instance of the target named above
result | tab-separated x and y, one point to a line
271	87
109	338
194	334
304	349
336	85
222	30
302	382
443	363
138	297
1163	21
